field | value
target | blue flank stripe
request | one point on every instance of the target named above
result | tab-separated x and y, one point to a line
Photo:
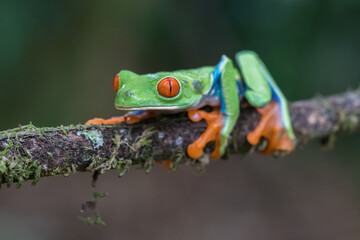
137	112
216	89
241	87
275	97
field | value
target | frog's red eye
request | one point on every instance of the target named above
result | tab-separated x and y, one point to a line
116	83
168	87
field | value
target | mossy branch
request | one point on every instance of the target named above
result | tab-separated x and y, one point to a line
30	153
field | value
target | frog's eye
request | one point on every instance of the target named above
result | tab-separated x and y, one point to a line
168	87
116	83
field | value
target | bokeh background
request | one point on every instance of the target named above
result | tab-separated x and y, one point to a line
57	63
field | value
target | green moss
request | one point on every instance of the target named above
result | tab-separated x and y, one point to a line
31	127
64	131
66	170
177	161
19	171
73	168
94	136
2	167
145	142
17	168
149	163
350	123
94	220
143	139
123	167
36	169
97	195
42	135
6	133
7	148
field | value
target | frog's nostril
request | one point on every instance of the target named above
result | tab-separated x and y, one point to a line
128	94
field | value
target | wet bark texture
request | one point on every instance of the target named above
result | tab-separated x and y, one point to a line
30	153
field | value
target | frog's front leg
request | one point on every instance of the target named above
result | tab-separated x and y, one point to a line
214	122
222	119
263	93
129	118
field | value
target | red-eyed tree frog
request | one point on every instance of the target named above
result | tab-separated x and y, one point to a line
221	87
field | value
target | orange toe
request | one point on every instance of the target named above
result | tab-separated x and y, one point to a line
167	163
98	121
129	118
271	128
134	118
214	121
216	153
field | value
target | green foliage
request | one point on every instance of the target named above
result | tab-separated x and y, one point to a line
93	220
18	171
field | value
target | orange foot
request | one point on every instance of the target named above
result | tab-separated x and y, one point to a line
270	127
214	120
129	118
167	164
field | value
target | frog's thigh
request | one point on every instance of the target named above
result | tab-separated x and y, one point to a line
261	87
258	92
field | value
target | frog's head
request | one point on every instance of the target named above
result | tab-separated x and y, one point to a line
161	91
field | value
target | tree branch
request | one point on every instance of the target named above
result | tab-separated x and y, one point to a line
29	153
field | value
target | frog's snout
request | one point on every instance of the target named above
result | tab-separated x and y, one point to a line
124	97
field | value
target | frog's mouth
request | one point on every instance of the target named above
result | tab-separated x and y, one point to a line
150	108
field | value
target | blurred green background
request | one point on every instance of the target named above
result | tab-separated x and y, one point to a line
57	63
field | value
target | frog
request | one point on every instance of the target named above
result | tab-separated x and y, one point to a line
222	87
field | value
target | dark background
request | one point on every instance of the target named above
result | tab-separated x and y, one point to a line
57	63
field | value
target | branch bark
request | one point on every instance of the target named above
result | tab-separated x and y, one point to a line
28	152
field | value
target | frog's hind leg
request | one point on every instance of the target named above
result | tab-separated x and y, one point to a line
263	93
129	118
271	128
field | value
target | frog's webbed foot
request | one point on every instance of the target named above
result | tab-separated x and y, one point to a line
214	121
271	128
129	118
